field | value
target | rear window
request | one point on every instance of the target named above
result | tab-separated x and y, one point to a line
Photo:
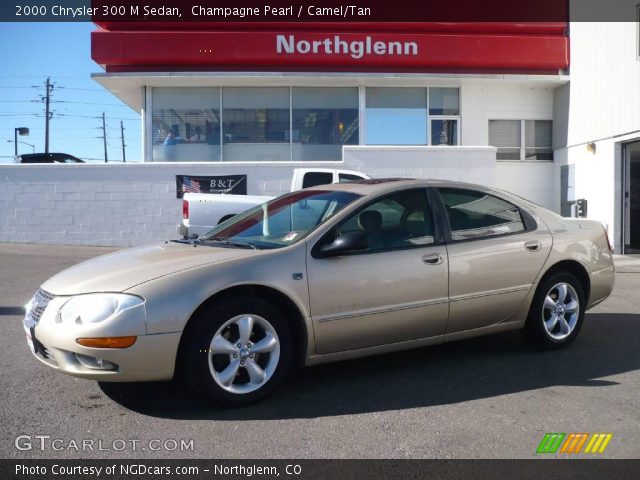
474	214
313	179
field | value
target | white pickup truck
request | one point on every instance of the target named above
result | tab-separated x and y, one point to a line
203	211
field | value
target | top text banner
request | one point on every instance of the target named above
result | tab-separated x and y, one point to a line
108	13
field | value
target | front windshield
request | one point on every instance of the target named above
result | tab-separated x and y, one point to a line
282	221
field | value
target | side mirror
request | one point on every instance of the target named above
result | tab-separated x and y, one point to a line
347	242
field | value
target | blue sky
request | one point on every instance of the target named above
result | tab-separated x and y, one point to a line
62	51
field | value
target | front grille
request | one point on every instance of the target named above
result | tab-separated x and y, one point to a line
37	306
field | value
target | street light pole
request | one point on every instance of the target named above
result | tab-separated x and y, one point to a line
22	131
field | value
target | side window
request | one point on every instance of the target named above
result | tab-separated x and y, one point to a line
474	214
399	220
313	179
347	177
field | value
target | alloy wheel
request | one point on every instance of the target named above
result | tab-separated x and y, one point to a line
244	354
561	311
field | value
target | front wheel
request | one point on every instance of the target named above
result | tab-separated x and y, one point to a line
557	311
238	352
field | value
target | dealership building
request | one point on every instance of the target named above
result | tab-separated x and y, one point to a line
550	111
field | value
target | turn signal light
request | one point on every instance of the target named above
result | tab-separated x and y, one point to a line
107	342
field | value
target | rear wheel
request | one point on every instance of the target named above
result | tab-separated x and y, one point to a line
557	311
238	351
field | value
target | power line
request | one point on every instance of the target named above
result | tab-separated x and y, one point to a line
83	89
93	103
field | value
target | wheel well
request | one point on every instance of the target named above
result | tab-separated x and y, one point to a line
289	310
576	269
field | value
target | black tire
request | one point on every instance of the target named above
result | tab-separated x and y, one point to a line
535	330
197	361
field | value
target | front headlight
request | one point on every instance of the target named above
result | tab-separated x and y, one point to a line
97	307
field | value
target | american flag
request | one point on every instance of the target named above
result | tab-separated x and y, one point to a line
189	185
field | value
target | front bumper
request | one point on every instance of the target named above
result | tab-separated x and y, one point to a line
151	357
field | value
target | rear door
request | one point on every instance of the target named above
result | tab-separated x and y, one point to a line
495	250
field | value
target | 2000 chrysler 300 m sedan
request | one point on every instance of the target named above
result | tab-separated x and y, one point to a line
326	273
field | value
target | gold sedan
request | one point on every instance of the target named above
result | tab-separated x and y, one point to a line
323	274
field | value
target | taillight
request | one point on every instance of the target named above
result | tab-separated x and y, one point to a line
185	209
606	235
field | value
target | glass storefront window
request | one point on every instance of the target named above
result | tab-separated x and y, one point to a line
323	119
194	124
255	124
396	116
444	101
444	132
186	124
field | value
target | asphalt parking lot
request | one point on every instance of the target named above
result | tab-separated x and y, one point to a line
490	397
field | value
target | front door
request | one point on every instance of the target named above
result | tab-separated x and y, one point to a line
393	291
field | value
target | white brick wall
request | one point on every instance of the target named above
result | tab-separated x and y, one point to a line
113	204
133	204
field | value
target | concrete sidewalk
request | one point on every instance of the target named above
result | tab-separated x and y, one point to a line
627	263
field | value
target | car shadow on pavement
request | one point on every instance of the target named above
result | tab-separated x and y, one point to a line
456	372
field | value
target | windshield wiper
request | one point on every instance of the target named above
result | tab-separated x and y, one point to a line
229	242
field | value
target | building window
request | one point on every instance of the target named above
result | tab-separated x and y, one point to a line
323	120
298	123
412	116
444	101
186	124
255	124
444	131
521	139
444	112
396	116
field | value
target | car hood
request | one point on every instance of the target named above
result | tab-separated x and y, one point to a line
119	271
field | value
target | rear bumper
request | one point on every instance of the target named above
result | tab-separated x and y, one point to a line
183	230
602	282
192	231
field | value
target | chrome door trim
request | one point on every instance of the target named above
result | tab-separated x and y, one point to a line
373	311
487	293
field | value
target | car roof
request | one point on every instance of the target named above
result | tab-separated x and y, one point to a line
382	185
50	155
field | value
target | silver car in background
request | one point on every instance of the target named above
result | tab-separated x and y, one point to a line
322	274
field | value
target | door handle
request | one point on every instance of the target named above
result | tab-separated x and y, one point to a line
433	259
533	245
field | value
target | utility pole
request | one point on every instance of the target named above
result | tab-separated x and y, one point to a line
124	157
104	137
47	115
